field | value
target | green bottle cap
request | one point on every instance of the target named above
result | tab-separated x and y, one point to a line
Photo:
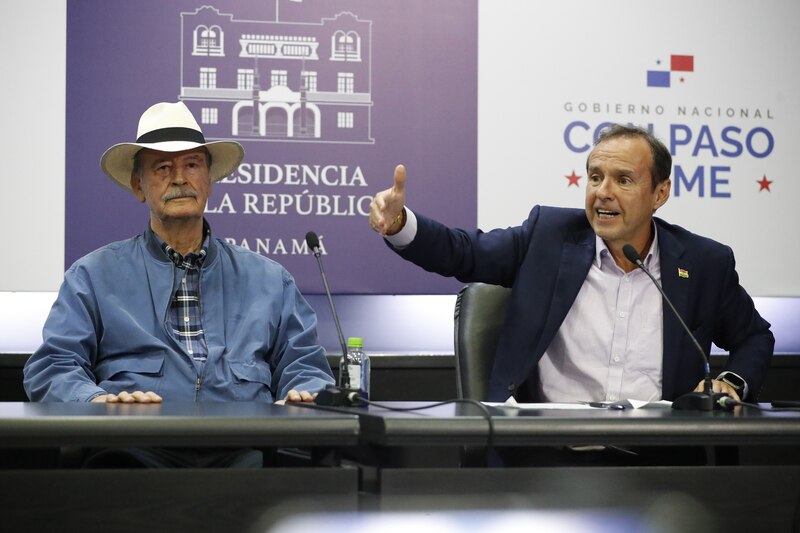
355	342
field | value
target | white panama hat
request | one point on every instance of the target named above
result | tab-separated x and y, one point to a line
169	127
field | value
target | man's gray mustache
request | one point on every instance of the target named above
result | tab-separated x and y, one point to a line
180	193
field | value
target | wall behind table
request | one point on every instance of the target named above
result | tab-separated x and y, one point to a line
409	337
432	377
516	142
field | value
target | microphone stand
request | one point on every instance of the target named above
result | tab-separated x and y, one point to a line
342	343
332	395
691	401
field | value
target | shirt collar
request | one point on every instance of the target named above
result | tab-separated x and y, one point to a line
601	250
190	260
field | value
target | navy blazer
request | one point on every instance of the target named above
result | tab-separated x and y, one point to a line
545	261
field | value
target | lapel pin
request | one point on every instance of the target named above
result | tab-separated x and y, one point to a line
683	273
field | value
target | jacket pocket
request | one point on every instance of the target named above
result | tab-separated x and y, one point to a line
151	364
252	380
131	372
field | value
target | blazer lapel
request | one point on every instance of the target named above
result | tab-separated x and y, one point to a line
676	286
576	259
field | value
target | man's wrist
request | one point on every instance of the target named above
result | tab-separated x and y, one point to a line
398	223
406	234
735	381
96	395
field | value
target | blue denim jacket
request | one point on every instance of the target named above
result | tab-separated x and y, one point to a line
108	330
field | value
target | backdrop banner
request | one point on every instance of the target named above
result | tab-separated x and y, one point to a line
326	96
715	80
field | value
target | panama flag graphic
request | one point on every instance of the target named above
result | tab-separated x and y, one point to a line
663	78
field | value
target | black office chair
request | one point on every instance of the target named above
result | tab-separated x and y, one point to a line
479	316
480	312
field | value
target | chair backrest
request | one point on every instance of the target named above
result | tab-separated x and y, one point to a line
479	316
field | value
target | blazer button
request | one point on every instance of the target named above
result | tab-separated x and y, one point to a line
511	387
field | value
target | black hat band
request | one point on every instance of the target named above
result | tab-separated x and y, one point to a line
172	134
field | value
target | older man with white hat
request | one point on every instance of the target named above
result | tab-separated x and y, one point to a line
174	313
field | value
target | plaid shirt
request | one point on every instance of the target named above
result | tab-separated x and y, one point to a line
184	309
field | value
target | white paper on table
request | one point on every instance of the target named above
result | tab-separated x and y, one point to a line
511	402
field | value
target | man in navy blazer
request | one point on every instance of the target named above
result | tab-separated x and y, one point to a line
583	322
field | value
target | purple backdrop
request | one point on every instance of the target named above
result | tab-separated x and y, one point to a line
326	100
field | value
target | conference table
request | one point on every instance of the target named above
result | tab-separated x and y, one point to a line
182	424
38	492
408	453
758	491
390	424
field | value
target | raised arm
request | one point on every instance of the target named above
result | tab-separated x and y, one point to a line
386	209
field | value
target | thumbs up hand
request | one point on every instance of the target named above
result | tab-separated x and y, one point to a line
386	209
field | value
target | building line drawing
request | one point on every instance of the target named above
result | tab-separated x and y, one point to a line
271	81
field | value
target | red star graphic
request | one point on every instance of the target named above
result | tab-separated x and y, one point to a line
764	183
573	179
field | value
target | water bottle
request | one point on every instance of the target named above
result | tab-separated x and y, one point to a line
354	368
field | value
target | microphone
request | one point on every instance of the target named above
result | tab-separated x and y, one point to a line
331	395
692	401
